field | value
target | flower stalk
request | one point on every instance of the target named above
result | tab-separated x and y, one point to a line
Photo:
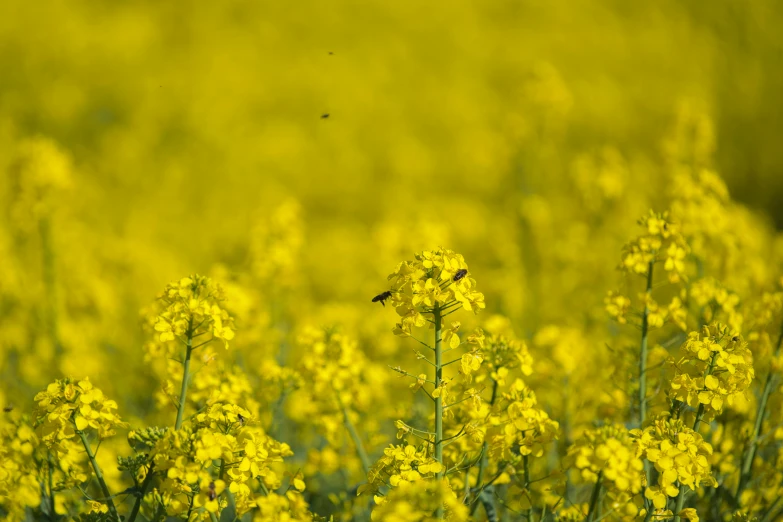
769	385
485	450
529	512
437	319
357	441
643	352
52	513
99	475
140	495
594	498
185	376
699	414
643	382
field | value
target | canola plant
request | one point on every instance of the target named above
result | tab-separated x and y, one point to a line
390	262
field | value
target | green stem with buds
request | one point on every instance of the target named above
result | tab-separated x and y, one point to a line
99	475
643	354
140	495
643	382
769	386
185	375
437	319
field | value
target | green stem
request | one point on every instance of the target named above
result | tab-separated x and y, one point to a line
648	505
643	352
529	515
643	381
159	513
679	504
484	449
190	508
52	513
594	498
357	441
439	399
140	495
747	465
185	375
99	475
770	513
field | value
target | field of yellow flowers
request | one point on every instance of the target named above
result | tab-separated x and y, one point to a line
391	261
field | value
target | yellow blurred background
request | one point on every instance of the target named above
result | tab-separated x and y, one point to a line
180	137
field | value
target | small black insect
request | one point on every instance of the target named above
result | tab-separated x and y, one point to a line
241	419
212	494
735	338
382	297
8	408
460	274
330	52
324	115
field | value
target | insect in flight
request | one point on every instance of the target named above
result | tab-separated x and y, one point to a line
382	297
460	274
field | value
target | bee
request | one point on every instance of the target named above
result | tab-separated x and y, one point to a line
382	297
735	338
460	274
211	493
241	419
8	409
324	115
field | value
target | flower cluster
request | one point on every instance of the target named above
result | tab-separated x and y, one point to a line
679	454
224	433
419	501
399	466
520	427
661	237
192	308
19	483
436	280
68	407
607	454
716	302
289	507
503	354
640	257
714	370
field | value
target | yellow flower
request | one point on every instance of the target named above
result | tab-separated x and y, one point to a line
435	280
192	307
